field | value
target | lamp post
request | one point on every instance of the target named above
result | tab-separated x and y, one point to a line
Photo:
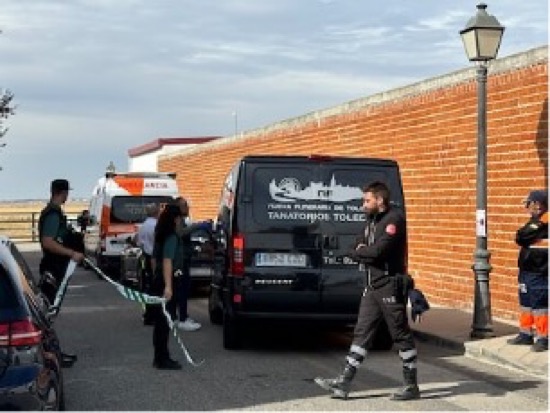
481	38
236	122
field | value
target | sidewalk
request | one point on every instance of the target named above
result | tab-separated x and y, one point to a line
451	328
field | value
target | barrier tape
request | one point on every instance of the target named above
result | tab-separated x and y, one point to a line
54	309
129	294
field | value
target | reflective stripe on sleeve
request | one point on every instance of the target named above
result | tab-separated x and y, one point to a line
541	243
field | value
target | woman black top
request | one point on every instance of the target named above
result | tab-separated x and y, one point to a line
164	253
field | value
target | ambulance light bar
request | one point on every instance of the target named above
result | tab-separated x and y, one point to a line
141	174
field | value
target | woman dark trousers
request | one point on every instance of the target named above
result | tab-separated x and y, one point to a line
165	253
161	331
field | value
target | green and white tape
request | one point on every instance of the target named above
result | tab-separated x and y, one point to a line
55	307
138	296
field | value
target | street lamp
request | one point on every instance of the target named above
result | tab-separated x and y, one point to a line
481	38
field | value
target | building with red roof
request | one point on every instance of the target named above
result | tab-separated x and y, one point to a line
144	157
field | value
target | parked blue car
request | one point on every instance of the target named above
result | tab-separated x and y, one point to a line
30	358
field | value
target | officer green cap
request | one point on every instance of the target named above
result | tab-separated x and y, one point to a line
60	185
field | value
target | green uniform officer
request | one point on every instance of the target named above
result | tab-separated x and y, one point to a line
58	245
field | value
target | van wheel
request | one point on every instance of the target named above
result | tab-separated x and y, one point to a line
215	310
382	340
231	330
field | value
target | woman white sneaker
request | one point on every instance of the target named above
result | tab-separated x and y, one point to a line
189	325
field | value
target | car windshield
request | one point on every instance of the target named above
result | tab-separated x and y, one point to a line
131	209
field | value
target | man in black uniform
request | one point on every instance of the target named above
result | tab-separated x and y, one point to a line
382	254
533	274
59	245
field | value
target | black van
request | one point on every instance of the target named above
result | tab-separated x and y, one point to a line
285	225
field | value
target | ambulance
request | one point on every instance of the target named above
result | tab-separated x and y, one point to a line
117	209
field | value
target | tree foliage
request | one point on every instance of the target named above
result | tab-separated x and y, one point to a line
6	109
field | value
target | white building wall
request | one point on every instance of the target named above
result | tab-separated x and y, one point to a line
144	163
148	162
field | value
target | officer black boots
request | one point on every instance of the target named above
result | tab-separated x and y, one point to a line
340	385
410	391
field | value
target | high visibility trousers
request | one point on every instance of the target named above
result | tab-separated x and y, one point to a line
533	301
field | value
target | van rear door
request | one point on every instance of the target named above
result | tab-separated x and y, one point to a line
344	178
279	222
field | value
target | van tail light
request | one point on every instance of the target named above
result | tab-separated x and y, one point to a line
237	256
19	333
102	243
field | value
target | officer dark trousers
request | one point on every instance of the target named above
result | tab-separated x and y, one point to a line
388	304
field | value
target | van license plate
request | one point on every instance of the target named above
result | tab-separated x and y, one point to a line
278	259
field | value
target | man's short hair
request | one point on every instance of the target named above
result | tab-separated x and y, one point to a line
181	199
380	189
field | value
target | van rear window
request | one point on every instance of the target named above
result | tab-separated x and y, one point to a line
331	194
131	209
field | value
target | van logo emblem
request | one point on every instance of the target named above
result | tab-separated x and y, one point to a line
290	190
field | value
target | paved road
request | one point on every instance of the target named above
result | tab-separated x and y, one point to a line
273	372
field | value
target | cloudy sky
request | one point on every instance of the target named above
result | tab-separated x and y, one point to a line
93	78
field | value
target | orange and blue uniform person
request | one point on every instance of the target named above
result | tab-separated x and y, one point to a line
533	274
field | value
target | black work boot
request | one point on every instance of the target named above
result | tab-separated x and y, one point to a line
521	339
540	345
410	390
340	385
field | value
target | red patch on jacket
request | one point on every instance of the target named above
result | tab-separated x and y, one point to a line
391	229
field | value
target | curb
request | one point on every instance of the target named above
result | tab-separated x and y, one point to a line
473	350
439	341
494	357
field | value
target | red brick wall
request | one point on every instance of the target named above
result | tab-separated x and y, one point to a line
431	130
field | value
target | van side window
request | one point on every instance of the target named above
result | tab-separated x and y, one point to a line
227	196
286	196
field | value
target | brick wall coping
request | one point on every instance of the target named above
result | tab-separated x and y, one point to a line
506	64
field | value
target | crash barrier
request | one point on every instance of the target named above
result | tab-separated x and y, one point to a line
127	293
23	226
